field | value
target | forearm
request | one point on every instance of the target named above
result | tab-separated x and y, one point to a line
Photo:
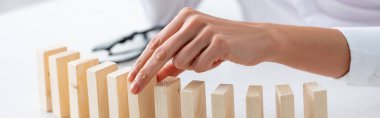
318	50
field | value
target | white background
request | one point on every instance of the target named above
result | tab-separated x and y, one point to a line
82	24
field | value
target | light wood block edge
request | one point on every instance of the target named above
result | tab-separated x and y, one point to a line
97	89
118	93
254	102
44	75
78	86
167	98
142	105
193	100
60	82
315	100
284	102
223	101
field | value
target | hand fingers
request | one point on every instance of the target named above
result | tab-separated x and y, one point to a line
168	70
212	56
160	38
166	51
160	56
190	51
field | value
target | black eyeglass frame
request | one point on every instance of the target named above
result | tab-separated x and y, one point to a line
109	46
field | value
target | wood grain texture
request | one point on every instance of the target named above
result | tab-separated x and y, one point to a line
60	82
315	100
193	100
223	101
97	89
44	75
284	102
142	104
118	93
78	86
167	98
254	102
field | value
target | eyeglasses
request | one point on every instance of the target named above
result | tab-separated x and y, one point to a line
127	48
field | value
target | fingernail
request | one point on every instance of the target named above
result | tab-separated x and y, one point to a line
130	77
134	87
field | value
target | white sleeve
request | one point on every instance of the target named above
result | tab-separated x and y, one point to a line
364	44
161	12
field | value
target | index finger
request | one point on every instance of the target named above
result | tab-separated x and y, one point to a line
160	38
165	52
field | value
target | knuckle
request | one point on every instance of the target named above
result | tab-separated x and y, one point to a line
138	63
187	11
218	41
197	18
161	54
209	29
142	75
155	42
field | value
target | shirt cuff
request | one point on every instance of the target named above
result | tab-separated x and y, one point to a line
364	44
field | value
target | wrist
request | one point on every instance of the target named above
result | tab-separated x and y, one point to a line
278	45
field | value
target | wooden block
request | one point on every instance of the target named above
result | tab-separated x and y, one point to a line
118	93
315	100
254	102
167	98
223	101
60	82
193	100
284	102
78	87
97	89
44	75
142	104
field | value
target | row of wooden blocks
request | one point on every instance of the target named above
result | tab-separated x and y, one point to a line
82	88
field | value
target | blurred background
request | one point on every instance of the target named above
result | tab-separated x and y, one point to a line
8	5
26	25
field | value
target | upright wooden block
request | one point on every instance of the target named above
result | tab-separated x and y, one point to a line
315	100
223	101
193	100
118	93
60	82
78	87
284	102
167	98
142	104
97	89
254	102
44	75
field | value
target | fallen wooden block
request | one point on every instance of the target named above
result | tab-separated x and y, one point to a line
142	104
97	89
254	102
223	101
284	102
60	82
118	93
315	100
193	100
167	98
44	75
78	86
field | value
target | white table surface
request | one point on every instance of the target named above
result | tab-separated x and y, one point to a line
81	24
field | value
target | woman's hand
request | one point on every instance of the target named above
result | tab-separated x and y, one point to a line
199	42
